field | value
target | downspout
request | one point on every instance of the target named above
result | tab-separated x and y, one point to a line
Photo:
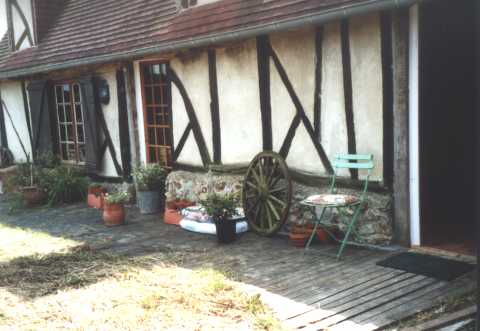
241	34
3	132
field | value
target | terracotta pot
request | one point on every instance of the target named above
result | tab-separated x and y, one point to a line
95	197
33	196
172	216
179	204
113	214
299	235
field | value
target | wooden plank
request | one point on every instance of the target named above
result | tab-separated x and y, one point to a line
3	131
401	207
181	142
123	125
371	302
348	91
287	142
264	85
214	107
445	320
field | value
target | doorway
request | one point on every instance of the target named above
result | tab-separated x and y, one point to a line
446	125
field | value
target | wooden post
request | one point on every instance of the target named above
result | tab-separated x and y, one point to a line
401	190
132	114
477	153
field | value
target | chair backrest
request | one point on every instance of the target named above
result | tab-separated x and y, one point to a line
353	161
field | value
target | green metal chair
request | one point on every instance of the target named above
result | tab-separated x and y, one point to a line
342	202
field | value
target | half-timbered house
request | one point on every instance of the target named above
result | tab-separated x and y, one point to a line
205	84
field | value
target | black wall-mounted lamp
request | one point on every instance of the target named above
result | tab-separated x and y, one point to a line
103	92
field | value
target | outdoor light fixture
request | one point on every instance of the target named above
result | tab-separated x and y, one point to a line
103	92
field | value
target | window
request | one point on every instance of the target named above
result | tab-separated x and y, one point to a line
157	113
70	120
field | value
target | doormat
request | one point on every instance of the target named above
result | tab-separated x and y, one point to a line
427	265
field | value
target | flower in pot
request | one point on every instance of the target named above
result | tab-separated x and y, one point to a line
26	180
114	209
222	209
150	184
95	196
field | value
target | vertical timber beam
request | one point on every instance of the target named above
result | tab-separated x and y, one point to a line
214	107
317	105
3	132
401	187
387	79
27	111
123	125
263	59
477	149
132	114
348	91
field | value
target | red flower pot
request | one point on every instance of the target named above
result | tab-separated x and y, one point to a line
95	197
113	214
33	196
172	216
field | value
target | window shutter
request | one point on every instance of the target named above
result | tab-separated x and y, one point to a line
40	114
89	105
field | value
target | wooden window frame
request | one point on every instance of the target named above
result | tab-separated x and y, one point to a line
166	104
75	123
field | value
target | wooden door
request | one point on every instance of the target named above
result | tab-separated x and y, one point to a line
157	113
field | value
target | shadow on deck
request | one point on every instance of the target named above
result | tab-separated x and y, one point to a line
309	291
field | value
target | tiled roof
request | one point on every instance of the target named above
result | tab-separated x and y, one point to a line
92	31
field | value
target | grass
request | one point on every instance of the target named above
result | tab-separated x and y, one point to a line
49	283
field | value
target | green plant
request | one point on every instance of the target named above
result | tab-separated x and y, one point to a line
220	207
117	198
48	160
64	184
150	177
26	175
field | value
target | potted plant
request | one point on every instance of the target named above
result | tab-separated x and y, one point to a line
114	209
26	180
95	196
150	184
222	209
299	234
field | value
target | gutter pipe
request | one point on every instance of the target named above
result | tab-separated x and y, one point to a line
216	38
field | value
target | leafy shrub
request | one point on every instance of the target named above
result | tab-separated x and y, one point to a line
24	173
64	184
117	198
220	207
150	177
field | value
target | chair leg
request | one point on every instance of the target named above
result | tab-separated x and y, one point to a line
317	221
349	230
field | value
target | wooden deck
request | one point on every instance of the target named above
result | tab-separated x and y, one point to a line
308	291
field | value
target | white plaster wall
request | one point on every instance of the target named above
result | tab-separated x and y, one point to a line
333	120
110	112
3	18
193	72
18	26
365	45
239	100
296	52
11	93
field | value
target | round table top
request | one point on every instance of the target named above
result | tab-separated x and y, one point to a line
330	200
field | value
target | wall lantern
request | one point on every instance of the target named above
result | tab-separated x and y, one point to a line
103	92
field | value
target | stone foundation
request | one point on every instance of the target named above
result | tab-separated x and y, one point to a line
374	224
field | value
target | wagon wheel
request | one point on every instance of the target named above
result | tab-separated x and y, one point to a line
267	193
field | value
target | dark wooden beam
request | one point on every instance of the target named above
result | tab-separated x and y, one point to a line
24	21
22	38
348	91
214	107
300	111
123	125
263	46
317	105
197	131
181	142
132	108
387	78
3	129
26	109
287	143
401	175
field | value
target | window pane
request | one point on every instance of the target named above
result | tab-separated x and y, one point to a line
146	74
70	133
80	134
148	95
61	114
66	93
81	152
72	154
63	129
59	94
150	116
160	140
151	136
156	73
68	113
76	92
158	96
78	112
153	156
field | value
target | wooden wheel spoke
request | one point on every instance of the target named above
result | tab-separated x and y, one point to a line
267	193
